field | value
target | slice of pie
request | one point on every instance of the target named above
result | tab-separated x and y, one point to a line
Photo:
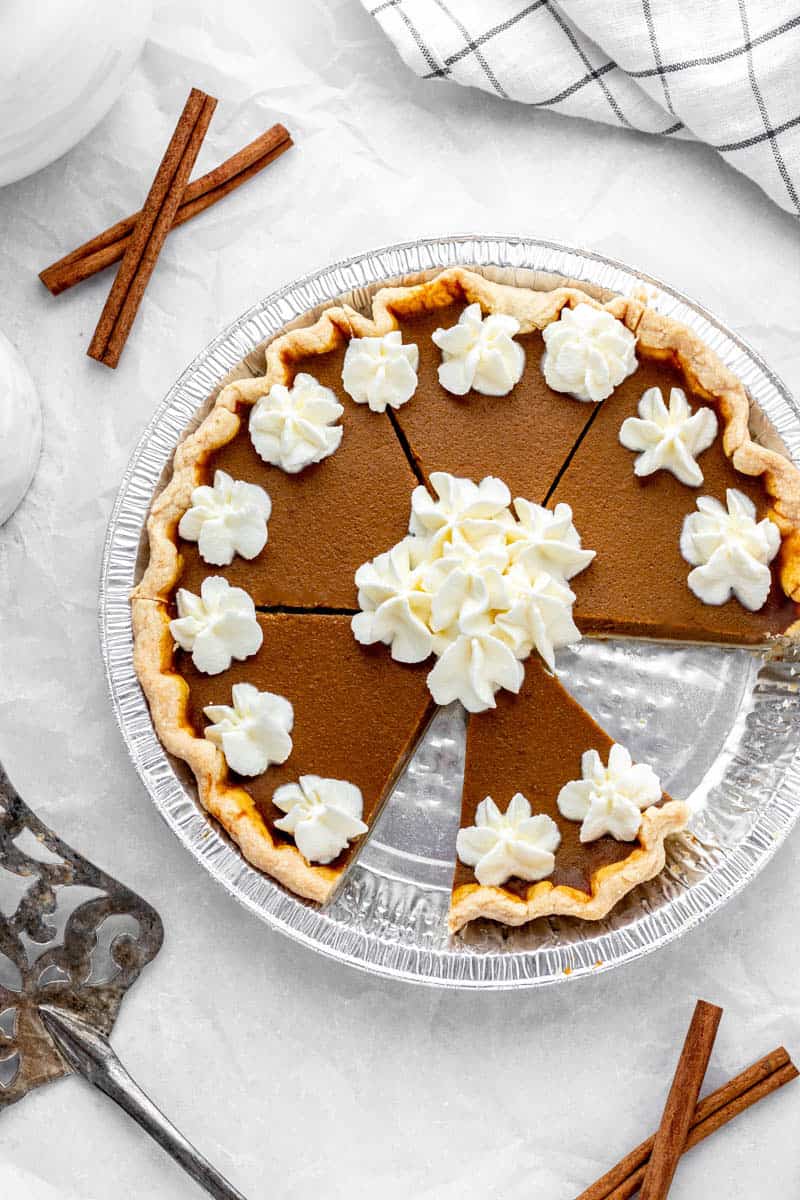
531	746
328	743
568	467
637	583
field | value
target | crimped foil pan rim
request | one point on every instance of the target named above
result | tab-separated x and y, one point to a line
455	967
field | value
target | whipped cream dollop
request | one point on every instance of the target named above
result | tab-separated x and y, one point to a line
669	439
730	550
546	540
540	618
322	815
254	731
472	668
480	353
609	800
217	626
292	427
474	585
587	353
380	371
395	606
227	518
461	511
514	843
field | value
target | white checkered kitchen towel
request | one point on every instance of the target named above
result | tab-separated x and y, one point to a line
724	71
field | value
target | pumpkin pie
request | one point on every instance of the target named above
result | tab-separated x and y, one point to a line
567	467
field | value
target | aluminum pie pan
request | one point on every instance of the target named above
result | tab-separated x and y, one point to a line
742	776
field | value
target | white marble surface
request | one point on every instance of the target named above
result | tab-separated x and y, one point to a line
298	1076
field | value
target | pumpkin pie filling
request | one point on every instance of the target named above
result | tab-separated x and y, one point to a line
523	438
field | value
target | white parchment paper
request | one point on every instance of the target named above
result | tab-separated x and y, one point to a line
298	1077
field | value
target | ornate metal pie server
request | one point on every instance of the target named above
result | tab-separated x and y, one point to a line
72	941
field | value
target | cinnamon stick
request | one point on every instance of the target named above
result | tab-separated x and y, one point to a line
676	1120
715	1110
109	246
151	229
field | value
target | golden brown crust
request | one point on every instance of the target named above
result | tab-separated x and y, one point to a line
609	884
657	335
232	806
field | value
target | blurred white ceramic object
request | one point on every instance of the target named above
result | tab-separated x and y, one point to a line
63	63
20	429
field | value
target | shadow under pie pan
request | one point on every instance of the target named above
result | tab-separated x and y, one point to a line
719	724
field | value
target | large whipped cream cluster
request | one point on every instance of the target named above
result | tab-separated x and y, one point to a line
476	584
588	353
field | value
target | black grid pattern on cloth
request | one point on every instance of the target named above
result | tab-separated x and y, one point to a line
724	73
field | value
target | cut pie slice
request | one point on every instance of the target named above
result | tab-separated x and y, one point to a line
637	584
355	718
532	744
326	519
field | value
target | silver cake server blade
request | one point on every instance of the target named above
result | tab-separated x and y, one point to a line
72	941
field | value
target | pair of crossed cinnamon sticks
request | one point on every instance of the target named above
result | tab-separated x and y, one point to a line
684	1123
137	240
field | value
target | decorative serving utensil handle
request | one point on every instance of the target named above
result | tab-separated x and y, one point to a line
90	1054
